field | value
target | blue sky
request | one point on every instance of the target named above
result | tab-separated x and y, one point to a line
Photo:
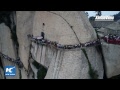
92	13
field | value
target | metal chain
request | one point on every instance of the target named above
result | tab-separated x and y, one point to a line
113	39
17	61
40	40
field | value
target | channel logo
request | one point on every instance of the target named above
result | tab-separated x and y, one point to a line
104	18
10	71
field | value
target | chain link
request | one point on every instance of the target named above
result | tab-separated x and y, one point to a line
17	61
40	40
112	39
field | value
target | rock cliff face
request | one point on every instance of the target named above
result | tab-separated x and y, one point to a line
111	51
7	47
1	73
8	40
70	28
24	27
64	27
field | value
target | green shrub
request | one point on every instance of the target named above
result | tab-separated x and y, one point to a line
41	70
93	73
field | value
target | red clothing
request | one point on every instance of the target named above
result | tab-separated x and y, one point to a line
112	41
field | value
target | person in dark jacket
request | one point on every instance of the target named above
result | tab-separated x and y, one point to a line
42	34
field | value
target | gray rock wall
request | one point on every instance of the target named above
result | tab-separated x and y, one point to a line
24	27
111	51
72	64
7	48
64	27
